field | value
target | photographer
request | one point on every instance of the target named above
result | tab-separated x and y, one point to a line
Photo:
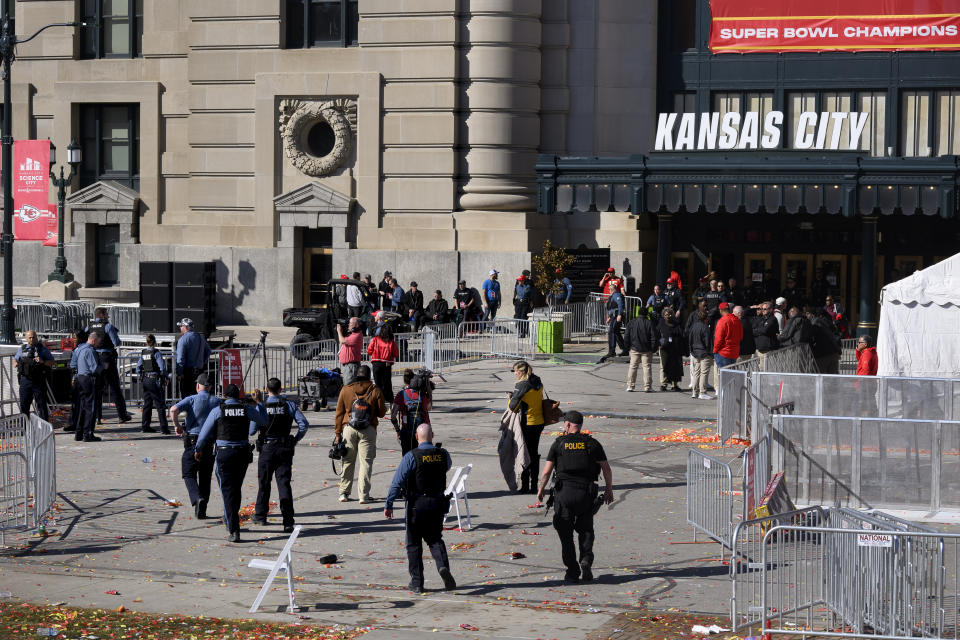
351	346
411	406
33	361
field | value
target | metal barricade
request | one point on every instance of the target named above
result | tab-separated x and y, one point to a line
125	317
733	413
848	356
28	467
9	389
52	317
710	496
574	317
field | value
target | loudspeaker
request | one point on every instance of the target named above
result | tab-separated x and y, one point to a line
194	274
155	296
156	273
156	320
191	297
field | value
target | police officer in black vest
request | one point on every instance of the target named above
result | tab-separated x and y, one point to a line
423	475
578	459
107	351
275	445
33	361
153	378
232	423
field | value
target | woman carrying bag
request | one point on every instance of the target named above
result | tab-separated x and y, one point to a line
527	400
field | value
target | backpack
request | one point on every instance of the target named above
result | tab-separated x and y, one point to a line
414	406
361	413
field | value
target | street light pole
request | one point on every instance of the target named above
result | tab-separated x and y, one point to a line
8	45
60	272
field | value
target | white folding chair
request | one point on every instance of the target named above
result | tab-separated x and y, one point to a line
284	562
458	489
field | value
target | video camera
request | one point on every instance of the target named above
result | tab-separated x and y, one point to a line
422	382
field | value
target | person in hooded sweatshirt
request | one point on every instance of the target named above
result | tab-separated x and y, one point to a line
527	399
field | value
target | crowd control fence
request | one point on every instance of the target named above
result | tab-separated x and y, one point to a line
28	484
710	497
46	318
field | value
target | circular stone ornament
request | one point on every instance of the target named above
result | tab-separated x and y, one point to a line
298	119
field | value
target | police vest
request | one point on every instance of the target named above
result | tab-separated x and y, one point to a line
32	371
712	298
99	327
281	420
429	477
659	302
233	425
575	459
149	363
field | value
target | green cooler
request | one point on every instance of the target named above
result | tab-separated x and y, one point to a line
550	336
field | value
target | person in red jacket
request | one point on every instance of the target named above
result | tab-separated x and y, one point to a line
727	337
866	357
383	352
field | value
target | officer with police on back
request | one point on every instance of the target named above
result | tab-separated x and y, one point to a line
276	445
193	352
422	474
196	472
231	423
32	361
578	459
153	379
86	362
107	351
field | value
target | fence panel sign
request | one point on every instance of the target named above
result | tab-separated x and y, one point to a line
778	26
31	189
880	540
231	368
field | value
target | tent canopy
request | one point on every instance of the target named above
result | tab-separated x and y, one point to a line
920	323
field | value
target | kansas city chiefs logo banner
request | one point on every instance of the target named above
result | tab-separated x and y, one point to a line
31	190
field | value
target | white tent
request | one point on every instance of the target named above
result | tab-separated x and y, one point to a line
920	323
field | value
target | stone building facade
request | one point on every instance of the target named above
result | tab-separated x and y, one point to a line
259	134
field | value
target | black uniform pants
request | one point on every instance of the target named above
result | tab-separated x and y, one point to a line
383	378
188	381
574	513
276	459
110	377
153	396
74	405
521	310
614	336
424	520
87	417
232	465
29	391
196	475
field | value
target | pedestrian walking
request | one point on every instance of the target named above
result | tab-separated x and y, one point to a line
276	444
578	459
33	362
152	373
640	341
527	400
196	471
86	361
193	352
230	424
422	478
110	375
410	408
359	409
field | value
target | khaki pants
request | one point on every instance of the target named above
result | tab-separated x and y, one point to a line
361	444
701	373
636	359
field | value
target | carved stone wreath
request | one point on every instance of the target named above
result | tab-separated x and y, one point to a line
298	117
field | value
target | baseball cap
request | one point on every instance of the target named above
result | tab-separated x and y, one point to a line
232	391
203	380
573	416
186	322
493	272
724	305
780	300
611	270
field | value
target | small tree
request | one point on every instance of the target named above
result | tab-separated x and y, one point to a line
545	268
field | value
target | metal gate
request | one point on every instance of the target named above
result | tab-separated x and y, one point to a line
28	484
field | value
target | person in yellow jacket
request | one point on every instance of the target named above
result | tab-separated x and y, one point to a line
527	400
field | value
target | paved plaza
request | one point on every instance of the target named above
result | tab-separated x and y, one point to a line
115	531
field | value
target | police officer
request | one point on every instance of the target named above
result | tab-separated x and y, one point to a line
615	313
276	453
153	377
86	362
196	473
79	338
109	339
231	424
578	459
32	362
423	475
192	355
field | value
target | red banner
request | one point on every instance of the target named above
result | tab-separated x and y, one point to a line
31	189
231	369
51	238
778	26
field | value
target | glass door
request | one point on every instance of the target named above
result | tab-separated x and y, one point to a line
830	278
318	269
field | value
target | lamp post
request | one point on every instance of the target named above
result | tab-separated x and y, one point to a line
60	272
8	45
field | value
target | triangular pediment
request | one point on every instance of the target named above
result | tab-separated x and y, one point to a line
313	197
106	194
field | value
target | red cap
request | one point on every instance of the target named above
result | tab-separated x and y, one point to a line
611	270
343	276
724	305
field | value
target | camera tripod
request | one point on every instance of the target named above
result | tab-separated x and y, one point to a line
261	349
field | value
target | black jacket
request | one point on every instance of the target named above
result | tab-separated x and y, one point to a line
765	329
825	339
797	330
641	335
747	345
700	339
414	300
438	308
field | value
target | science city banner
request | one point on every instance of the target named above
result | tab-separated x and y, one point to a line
778	26
31	189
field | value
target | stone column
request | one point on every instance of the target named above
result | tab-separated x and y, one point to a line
868	277
664	246
501	103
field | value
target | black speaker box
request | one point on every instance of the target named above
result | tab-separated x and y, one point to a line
156	320
156	273
194	274
185	297
155	296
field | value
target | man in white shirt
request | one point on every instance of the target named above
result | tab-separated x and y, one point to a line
354	298
778	311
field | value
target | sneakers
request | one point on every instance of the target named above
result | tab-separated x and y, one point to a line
367	500
704	396
416	588
448	582
343	498
694	396
234	536
630	389
648	390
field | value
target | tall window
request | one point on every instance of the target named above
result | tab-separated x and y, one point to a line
685	102
743	102
110	136
107	268
684	23
873	138
321	23
114	28
930	123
